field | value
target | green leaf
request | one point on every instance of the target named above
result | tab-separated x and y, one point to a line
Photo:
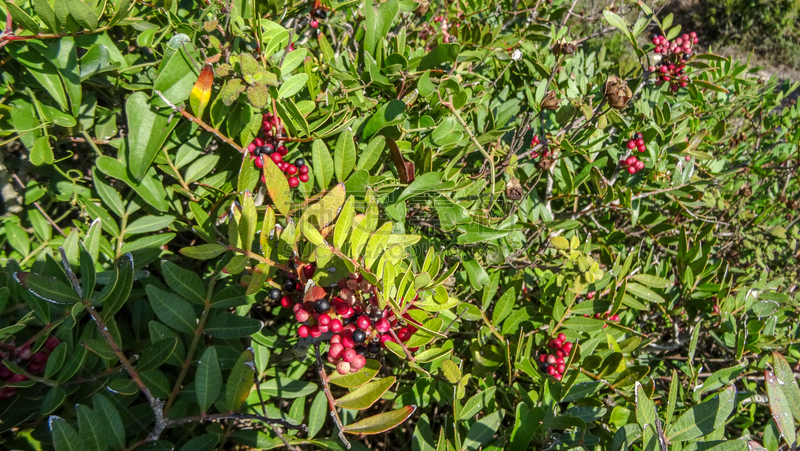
372	154
364	397
559	242
115	294
229	325
93	430
779	407
702	84
293	85
483	430
616	21
187	283
344	155
644	293
88	274
287	388
239	383
378	23
45	12
784	374
172	310
357	379
390	113
522	433
56	360
148	188
112	418
21	18
207	379
42	70
652	281
319	411
156	354
504	306
342	229
322	164
82	14
204	251
53	400
48	288
148	129
148	224
65	438
278	187
443	53
381	422
18	238
705	418
312	234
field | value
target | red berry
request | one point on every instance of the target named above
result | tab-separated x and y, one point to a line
259	161
336	350
631	170
276	157
687	158
561	367
631	160
363	322
551	370
403	334
39	358
590	295
674	88
336	326
385	338
551	359
291	169
559	360
684	84
308	270
560	353
348	355
664	69
641	148
314	23
303	178
293	182
336	338
259	142
557	375
17	378
543	358
347	342
562	336
301	315
358	362
324	319
631	144
382	325
282	150
286	302
251	147
639	165
266	126
567	347
315	332
303	169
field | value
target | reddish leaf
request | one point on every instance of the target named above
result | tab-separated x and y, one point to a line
201	92
405	168
381	422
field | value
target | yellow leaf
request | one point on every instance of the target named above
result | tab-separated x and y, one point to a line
201	92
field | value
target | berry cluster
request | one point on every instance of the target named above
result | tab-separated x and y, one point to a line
674	57
20	355
554	364
270	146
536	141
637	143
359	327
605	315
632	164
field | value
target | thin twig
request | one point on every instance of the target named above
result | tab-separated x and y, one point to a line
327	390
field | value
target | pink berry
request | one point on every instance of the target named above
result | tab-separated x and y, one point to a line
639	165
336	326
631	144
336	338
251	147
641	148
301	315
259	142
561	367
631	170
385	338
631	160
343	367
363	322
562	336
348	355
382	325
358	362
347	342
336	350
687	158
324	319
314	23
543	358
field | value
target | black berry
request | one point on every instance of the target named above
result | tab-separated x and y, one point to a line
275	294
639	136
257	152
322	305
299	162
319	12
359	336
361	350
374	348
289	285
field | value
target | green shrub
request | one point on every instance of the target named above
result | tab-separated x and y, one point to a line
527	241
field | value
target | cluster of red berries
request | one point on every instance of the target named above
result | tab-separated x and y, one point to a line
637	143
270	146
674	57
605	315
632	164
536	141
555	364
438	19
36	364
359	327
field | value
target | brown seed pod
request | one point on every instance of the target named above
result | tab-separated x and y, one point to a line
514	190
550	100
563	47
617	92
